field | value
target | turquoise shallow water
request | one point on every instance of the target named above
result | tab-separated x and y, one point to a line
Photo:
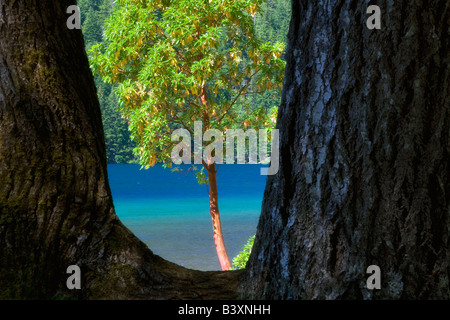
170	212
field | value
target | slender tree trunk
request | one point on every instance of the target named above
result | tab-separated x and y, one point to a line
364	173
56	208
215	216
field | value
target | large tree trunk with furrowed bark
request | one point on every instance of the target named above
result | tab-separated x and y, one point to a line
364	157
56	208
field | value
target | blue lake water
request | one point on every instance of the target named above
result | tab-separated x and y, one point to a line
170	212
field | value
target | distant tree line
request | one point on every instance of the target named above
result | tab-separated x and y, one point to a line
271	26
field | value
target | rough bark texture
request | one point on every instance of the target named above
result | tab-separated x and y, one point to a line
56	208
364	157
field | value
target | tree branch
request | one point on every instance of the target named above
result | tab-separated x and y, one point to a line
239	94
161	31
178	121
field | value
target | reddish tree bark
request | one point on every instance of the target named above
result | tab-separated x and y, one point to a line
215	216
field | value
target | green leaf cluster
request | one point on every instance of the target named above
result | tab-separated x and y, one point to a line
270	25
240	261
176	62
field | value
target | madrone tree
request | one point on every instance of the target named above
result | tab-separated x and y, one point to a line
176	62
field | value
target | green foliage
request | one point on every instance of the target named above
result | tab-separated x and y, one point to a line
240	261
178	62
119	146
199	174
273	22
270	25
93	16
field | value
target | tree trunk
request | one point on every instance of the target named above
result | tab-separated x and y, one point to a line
56	208
215	216
364	157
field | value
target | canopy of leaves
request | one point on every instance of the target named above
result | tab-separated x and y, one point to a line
175	62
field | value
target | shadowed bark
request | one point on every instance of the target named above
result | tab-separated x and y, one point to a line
56	208
364	157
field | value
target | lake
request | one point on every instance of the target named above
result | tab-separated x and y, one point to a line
170	212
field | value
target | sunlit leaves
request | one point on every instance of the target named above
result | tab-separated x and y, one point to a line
175	62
